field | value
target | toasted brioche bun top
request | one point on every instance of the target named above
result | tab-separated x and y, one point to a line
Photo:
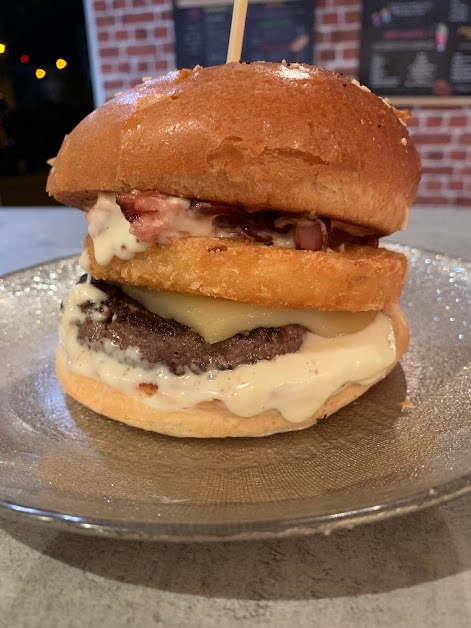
265	135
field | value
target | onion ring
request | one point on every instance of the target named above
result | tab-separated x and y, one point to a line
361	278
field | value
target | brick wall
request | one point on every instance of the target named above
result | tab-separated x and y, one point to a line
135	38
337	37
441	135
443	139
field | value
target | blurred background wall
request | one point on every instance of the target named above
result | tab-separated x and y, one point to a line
136	38
442	135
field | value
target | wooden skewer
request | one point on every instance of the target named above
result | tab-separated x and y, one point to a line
239	13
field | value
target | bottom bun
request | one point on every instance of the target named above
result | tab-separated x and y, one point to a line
209	419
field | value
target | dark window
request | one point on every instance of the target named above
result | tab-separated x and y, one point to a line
36	111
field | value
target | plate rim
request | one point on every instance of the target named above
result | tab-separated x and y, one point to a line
242	530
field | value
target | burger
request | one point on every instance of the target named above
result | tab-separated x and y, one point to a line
233	281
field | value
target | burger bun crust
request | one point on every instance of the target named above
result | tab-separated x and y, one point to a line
264	135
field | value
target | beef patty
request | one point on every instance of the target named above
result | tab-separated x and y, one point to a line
126	323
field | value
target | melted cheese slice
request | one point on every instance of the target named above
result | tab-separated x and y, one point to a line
218	319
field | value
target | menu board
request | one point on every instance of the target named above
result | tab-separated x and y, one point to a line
274	31
416	47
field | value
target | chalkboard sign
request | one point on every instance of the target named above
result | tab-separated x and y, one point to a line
417	48
273	31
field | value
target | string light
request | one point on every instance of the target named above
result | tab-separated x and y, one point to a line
24	58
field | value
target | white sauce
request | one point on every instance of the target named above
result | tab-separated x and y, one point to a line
84	261
295	384
109	231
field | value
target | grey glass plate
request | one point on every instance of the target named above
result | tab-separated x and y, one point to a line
62	464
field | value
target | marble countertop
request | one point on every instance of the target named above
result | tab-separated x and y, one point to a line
411	571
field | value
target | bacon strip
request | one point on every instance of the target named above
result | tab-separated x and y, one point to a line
157	218
152	215
308	235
